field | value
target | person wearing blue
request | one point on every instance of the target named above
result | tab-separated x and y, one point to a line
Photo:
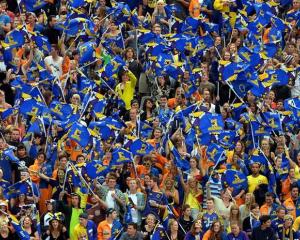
156	201
195	232
236	233
279	220
209	215
286	230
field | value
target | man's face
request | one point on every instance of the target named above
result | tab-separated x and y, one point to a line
206	95
267	223
255	168
157	30
75	200
269	200
163	101
112	183
235	229
281	214
15	135
132	185
131	231
210	204
83	222
295	193
21	152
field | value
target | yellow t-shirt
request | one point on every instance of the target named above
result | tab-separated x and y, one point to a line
296	225
253	182
79	231
297	172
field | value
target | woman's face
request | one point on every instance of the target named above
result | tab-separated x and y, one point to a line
54	223
129	53
169	184
157	134
149	104
216	227
160	6
227	56
125	77
27	221
174	226
218	41
75	99
150	220
288	222
247	198
193	163
198	225
255	211
238	147
41	158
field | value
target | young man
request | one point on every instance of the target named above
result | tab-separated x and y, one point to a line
156	200
236	233
132	233
136	201
264	231
209	215
292	203
113	197
105	227
255	179
85	226
279	220
72	213
269	208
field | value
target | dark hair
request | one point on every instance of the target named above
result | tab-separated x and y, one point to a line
294	185
127	49
269	194
254	205
109	211
78	156
185	207
21	146
264	218
134	225
154	179
50	18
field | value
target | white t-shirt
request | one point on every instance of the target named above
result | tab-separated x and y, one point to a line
110	201
134	212
56	66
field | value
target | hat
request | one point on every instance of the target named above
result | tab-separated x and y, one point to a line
52	201
288	217
110	211
3	203
57	216
84	215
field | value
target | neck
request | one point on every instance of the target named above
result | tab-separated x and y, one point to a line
263	227
132	191
109	220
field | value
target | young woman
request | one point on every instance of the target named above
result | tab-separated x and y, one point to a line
186	221
252	220
30	229
196	231
56	231
245	208
159	16
234	217
193	195
149	227
215	232
174	232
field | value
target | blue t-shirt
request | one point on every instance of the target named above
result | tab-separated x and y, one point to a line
4	19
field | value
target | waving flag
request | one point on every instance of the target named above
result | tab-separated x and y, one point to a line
32	5
178	160
236	180
14	38
272	78
60	110
139	147
95	169
215	153
120	156
22	234
80	134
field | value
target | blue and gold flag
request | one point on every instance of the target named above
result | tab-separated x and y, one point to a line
120	156
80	134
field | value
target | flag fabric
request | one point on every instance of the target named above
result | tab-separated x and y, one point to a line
80	134
177	159
236	180
215	153
121	156
139	147
22	234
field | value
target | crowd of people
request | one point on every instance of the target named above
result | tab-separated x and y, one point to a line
150	119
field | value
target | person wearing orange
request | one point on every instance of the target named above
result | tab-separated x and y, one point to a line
216	231
104	227
292	204
269	208
42	165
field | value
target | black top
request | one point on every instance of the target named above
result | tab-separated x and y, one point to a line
259	234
